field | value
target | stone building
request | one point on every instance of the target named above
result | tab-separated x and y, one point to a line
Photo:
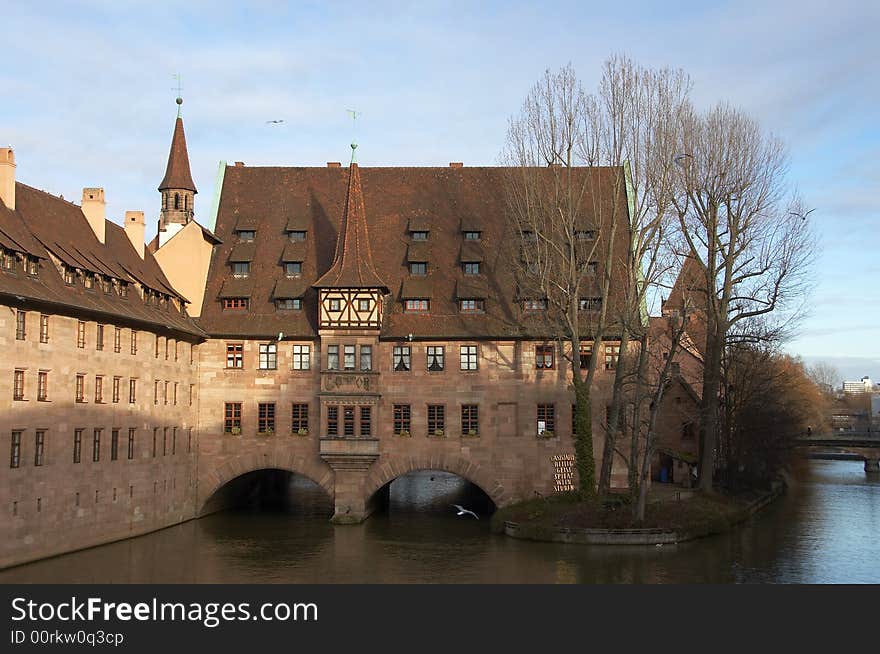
349	325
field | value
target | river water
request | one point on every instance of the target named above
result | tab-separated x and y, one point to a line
825	530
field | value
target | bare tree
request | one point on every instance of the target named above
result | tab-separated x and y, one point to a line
738	219
826	376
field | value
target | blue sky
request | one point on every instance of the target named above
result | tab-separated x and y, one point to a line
88	100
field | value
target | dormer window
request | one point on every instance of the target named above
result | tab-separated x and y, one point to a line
246	235
241	269
8	260
296	235
418	268
471	306
416	306
472	236
123	289
236	303
471	267
69	275
88	280
585	234
32	266
289	304
105	284
419	236
293	268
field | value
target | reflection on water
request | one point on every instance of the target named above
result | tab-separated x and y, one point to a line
826	530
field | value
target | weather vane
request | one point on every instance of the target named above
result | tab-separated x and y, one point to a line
354	116
179	90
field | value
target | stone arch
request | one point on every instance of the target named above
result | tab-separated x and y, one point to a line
213	479
388	469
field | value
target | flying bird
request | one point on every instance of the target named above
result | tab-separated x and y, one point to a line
802	216
463	511
274	122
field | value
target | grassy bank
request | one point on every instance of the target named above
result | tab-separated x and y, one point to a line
699	515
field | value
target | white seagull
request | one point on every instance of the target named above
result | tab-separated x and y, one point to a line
462	511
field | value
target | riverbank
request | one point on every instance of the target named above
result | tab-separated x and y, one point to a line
565	518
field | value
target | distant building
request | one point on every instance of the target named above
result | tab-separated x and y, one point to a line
864	385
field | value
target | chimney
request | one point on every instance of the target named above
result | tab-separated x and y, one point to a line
134	230
456	164
239	164
334	164
7	177
95	210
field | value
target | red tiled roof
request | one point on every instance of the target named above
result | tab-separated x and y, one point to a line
177	174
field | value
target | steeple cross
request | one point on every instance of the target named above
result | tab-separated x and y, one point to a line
179	89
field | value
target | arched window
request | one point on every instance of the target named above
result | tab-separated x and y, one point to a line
185	202
177	200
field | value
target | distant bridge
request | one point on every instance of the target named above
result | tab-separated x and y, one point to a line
863	446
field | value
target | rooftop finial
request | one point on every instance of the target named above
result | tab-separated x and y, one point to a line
179	89
354	116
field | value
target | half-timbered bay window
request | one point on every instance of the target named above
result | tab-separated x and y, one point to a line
435	358
471	306
366	358
299	418
468	357
470	419
232	417
235	303
401	358
436	419
268	356
401	419
544	357
546	419
332	357
302	357
235	355
266	417
417	306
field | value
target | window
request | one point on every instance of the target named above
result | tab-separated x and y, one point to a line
366	421
134	341
332	420
189	440
174	394
123	289
436	419
535	305
80	334
105	284
114	445
156	347
99	337
20	321
546	419
266	417
592	268
471	306
39	447
590	303
421	305
165	393
231	416
268	356
418	268
585	234
156	392
468	357
43	386
77	445
363	305
401	418
18	385
246	235
332	357
8	260
472	236
237	303
299	418
366	358
80	388
334	304
586	351
419	236
302	357
69	277
612	353
191	393
241	269
348	421
435	358
167	347
174	349
471	267
288	304
401	358
116	389
296	235
88	280
131	433
470	419
33	266
544	357
44	328
15	450
348	355
117	340
164	441
155	439
99	389
235	355
293	268
96	445
132	391
174	440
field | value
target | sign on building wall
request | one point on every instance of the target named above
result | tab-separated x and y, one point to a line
563	472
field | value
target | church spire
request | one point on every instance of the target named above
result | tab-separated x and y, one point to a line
353	262
177	187
177	174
